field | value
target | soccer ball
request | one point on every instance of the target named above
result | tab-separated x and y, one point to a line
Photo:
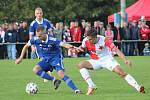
31	88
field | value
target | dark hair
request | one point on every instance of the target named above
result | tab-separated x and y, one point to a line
40	28
92	32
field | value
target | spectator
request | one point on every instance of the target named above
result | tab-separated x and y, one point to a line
83	26
5	28
76	32
21	24
144	31
144	34
22	37
67	34
117	36
96	26
58	31
66	38
87	28
11	37
71	28
146	50
15	26
76	36
2	34
126	36
134	36
109	33
102	29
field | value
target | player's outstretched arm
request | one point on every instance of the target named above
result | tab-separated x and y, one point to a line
25	48
66	45
79	49
69	46
121	55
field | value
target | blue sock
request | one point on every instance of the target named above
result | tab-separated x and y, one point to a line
44	75
70	83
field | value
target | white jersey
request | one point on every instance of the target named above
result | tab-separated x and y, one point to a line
99	50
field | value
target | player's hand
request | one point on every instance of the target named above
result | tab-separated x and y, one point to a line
128	62
77	49
18	61
33	48
73	49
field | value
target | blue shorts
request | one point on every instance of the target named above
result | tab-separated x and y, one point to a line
48	64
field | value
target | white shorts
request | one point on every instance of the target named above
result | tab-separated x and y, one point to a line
107	62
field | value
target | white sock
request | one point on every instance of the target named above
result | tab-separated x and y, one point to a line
85	74
131	81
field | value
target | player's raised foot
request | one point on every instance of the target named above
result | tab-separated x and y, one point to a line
142	89
78	91
91	90
57	82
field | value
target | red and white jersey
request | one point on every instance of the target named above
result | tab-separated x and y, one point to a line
101	49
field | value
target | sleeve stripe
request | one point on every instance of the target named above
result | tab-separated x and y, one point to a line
29	43
61	43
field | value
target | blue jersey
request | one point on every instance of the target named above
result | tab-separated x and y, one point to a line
49	48
34	24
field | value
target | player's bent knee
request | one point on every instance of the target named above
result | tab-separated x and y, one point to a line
119	71
80	65
123	75
85	64
61	73
36	69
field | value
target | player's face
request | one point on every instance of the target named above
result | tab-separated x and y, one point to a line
38	14
41	35
92	40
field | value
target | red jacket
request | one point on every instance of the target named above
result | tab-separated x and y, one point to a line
76	34
144	32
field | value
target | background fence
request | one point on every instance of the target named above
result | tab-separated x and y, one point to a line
133	43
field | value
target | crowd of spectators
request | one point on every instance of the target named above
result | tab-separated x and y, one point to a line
14	35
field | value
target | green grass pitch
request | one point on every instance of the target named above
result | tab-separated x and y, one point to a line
13	79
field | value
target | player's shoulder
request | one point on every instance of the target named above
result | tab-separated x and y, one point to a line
101	38
46	20
85	39
51	38
33	40
33	22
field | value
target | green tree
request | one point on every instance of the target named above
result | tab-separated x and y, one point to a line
59	9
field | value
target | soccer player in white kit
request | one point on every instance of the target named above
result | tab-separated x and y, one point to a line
101	49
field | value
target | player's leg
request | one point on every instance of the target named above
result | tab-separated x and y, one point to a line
83	67
130	80
57	64
68	81
41	70
45	80
38	70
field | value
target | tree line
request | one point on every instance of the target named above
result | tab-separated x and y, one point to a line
57	10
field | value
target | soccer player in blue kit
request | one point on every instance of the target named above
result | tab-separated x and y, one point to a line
39	20
49	49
